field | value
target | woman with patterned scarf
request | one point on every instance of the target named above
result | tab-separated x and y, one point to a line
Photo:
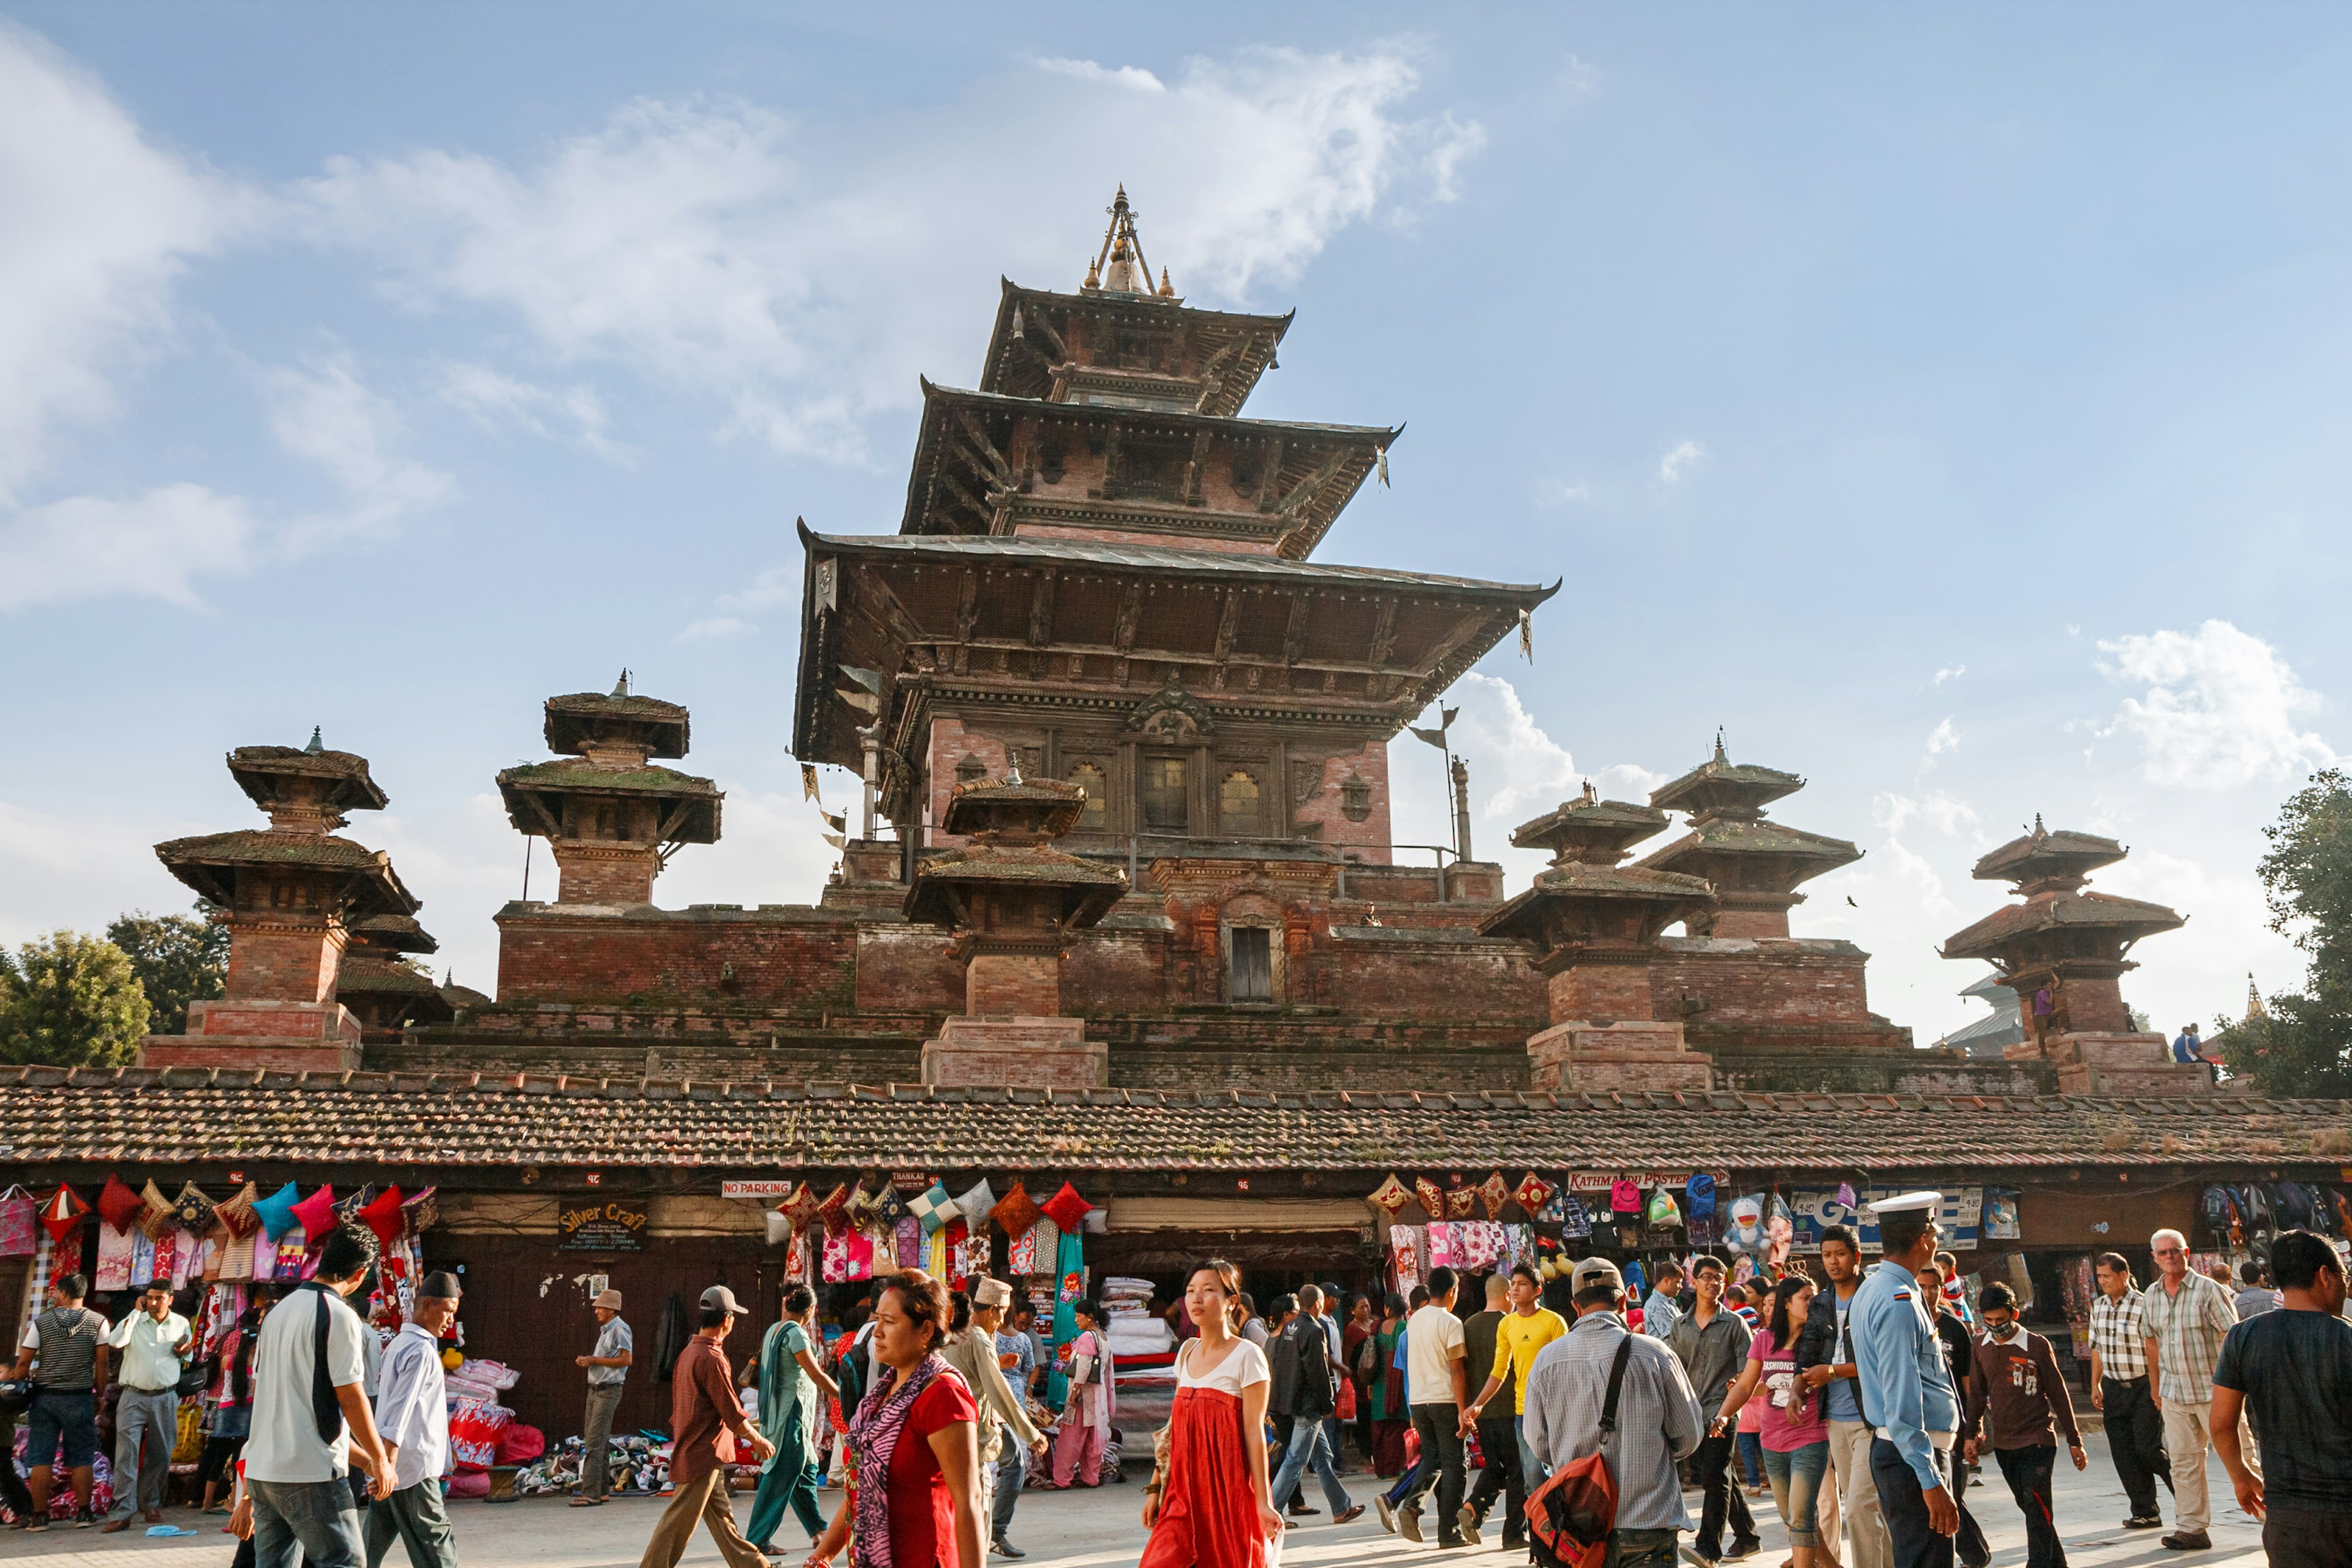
914	1446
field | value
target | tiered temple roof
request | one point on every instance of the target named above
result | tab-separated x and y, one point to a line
1755	865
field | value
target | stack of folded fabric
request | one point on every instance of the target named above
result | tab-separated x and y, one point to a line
1141	1346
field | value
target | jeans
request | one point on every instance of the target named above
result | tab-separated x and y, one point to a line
146	1427
1308	1446
1012	1469
1531	1470
1751	1448
1795	1481
2136	1441
1502	1475
1440	1426
419	1520
1865	1527
1641	1549
597	1438
308	1521
1914	1541
67	1420
1720	1498
2027	1470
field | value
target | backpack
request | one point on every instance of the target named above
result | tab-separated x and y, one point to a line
2294	1205
2221	1211
2255	1205
1700	1190
1572	1514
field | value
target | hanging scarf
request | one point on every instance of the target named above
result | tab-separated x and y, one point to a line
874	1437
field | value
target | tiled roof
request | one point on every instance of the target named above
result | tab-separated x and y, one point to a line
2101	912
188	1116
200	862
1729	836
2041	852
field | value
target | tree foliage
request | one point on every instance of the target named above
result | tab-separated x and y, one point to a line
70	1000
179	958
2304	1046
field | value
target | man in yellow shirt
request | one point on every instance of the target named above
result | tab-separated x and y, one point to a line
1529	1326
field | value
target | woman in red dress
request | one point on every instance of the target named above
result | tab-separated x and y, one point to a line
914	1444
1208	1507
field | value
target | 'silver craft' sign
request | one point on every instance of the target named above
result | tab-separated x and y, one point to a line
599	1227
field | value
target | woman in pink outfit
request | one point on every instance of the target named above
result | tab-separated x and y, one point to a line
1093	1400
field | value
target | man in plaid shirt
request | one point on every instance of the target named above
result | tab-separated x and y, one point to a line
2188	1315
2123	1352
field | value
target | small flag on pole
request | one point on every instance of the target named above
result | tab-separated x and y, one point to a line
1528	635
808	783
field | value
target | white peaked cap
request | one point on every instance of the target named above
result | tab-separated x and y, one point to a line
1924	1199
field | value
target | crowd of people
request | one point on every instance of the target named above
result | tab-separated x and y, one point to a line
1868	1400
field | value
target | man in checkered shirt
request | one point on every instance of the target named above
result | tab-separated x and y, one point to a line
2188	1315
2123	1350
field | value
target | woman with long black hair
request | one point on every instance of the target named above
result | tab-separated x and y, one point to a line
1796	1437
1208	1505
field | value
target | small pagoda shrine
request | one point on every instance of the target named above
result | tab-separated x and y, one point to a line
1595	925
289	895
1753	865
611	818
2061	951
384	990
1011	902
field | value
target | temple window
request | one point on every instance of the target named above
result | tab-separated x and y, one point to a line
1238	806
1253	964
970	770
1094	817
1164	805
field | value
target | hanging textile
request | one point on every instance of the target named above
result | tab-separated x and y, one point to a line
114	1258
1070	1273
935	1254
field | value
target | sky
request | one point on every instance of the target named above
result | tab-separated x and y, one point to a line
1949	406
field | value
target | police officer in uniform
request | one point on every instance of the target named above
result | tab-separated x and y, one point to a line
1906	1387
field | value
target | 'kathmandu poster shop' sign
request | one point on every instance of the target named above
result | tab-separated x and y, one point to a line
601	1228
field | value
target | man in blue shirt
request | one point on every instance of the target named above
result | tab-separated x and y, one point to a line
1906	1387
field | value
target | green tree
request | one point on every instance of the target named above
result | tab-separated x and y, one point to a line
179	958
70	1000
2304	1046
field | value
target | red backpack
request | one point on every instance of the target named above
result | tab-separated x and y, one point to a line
1572	1514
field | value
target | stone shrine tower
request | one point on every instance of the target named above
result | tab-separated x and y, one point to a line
1753	865
611	818
382	990
288	897
1595	925
1011	900
2061	951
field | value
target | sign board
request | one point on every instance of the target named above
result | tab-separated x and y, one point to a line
755	1192
610	1227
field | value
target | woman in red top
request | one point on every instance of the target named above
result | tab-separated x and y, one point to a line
914	1446
1207	1505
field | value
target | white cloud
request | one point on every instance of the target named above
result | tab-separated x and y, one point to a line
717	629
2222	709
148	546
1951	672
1579	491
574	414
1680	461
1945	737
794	271
1945	814
323	412
98	223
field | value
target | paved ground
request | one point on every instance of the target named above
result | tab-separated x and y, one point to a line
1099	1528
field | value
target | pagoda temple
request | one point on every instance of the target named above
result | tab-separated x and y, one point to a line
1753	865
290	897
2060	949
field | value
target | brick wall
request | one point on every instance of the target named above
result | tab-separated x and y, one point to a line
282	959
606	873
1327	807
792	959
907	966
1599	991
1013	984
1757	982
1389	973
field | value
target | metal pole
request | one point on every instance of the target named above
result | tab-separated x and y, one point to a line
866	738
527	842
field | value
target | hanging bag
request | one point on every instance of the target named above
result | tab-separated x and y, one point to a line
1570	1516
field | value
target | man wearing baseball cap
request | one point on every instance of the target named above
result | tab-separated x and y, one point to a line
412	1413
1658	1421
608	1373
705	1419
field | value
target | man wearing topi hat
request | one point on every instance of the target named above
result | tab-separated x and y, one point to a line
412	1412
608	1373
1906	1387
1007	1436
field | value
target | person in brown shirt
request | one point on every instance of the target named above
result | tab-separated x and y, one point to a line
2016	1390
705	1419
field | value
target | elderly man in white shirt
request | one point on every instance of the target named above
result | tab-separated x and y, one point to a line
412	1413
155	1343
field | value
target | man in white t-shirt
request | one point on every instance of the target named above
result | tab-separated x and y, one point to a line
311	1418
1438	1391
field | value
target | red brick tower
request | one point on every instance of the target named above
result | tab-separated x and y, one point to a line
288	895
2068	946
611	818
1753	865
1011	900
1595	925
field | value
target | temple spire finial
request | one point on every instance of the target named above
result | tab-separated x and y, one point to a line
621	686
1719	745
1118	267
316	745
